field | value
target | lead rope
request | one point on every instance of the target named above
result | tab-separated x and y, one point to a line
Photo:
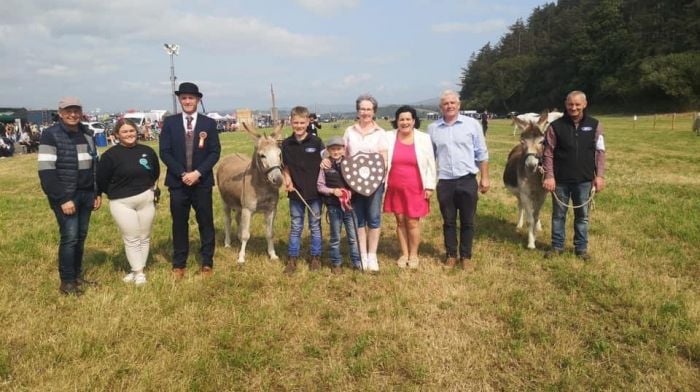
561	203
589	201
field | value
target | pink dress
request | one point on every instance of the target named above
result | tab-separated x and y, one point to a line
404	194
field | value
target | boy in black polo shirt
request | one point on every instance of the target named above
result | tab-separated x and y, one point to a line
301	154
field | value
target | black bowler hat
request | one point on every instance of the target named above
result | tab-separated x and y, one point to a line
188	88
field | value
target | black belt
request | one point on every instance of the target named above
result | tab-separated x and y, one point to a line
464	177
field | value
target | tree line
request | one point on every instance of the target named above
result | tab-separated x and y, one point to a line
626	55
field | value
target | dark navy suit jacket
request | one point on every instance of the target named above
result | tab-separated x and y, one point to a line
172	150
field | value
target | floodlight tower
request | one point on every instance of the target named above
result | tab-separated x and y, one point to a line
173	49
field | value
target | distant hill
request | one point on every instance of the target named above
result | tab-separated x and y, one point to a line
430	102
348	110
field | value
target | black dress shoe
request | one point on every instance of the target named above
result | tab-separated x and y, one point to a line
85	282
70	288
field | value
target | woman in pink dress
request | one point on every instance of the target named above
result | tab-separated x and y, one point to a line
410	182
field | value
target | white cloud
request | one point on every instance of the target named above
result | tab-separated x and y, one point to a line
353	80
328	7
240	34
486	26
55	70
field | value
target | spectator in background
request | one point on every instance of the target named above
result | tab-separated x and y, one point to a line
147	130
67	162
7	146
314	126
10	132
485	121
28	140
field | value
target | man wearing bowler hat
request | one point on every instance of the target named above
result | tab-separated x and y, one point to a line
189	146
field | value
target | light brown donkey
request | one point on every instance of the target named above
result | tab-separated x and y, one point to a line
523	175
252	185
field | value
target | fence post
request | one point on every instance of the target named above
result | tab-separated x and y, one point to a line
673	122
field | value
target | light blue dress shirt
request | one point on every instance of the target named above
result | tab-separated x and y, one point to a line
458	147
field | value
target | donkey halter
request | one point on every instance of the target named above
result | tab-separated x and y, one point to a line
265	172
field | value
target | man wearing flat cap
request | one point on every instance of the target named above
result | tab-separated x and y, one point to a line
189	147
67	161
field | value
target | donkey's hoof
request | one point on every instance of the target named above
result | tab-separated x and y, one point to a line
274	258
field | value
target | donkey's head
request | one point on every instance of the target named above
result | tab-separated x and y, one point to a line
267	156
532	140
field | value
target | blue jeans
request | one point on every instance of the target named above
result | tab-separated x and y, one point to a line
578	193
73	230
296	212
337	218
368	209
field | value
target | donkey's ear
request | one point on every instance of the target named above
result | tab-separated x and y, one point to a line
278	130
522	124
544	118
250	131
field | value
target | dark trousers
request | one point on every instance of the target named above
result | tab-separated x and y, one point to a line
73	230
458	196
181	200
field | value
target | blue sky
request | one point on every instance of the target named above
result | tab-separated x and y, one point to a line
315	52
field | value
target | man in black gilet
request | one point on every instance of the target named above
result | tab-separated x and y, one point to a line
574	162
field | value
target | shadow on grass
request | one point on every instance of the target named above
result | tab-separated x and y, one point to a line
95	257
160	250
488	226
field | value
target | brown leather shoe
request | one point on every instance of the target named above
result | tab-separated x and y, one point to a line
206	271
70	288
315	263
291	266
451	262
178	273
336	270
84	282
467	264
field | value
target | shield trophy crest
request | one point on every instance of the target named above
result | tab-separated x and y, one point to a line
363	172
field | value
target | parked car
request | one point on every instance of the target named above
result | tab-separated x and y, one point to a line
95	127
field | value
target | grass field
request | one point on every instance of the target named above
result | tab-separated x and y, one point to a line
626	321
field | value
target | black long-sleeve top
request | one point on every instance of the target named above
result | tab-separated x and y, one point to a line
127	171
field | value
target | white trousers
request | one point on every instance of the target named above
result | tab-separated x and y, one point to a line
134	216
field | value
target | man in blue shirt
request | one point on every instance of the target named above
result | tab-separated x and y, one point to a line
461	153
